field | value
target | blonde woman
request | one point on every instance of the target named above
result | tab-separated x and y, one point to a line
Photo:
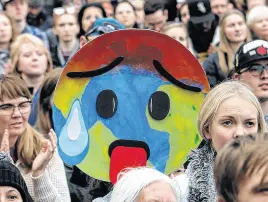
30	60
257	20
228	111
178	32
233	33
35	157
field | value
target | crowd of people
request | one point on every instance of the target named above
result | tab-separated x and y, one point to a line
228	37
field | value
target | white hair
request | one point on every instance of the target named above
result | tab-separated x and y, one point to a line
258	12
132	180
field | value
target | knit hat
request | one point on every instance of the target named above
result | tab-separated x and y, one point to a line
249	52
10	176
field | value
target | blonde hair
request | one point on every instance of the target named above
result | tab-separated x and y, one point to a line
44	122
30	142
256	12
224	46
171	25
248	157
221	93
16	50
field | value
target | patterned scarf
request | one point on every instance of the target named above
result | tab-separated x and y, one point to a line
200	172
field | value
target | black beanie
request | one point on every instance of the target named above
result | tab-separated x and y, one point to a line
10	176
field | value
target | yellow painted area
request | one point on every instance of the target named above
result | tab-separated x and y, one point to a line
100	139
181	124
67	91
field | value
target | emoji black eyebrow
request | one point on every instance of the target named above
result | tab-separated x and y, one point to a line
97	72
158	66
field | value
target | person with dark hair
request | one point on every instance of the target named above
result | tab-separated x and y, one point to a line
38	17
88	14
12	184
156	15
251	67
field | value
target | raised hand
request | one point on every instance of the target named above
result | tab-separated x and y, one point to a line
45	154
5	143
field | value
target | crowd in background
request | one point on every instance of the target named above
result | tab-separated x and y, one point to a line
38	37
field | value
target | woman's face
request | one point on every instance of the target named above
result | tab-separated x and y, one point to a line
33	61
8	194
91	14
5	30
178	34
125	14
234	117
235	28
157	191
260	26
15	121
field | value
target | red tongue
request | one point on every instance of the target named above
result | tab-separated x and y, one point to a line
124	157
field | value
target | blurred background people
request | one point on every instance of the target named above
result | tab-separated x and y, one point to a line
233	33
156	15
139	8
257	20
17	10
88	14
125	13
178	32
66	28
7	34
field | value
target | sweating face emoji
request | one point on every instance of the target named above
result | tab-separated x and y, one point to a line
126	99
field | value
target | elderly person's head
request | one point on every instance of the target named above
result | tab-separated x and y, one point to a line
143	185
257	20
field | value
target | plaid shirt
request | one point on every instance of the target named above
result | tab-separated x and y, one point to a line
36	32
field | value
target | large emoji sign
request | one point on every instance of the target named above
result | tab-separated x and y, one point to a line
128	98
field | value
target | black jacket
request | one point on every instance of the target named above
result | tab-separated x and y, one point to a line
84	188
213	71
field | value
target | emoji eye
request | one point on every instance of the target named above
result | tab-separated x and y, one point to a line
159	105
106	104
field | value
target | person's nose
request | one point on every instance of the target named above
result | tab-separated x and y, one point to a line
16	112
264	74
239	131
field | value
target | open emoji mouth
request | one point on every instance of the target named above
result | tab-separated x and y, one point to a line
125	154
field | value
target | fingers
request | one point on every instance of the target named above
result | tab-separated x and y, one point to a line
5	142
53	139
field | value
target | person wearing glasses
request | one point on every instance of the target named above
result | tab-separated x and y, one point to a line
34	154
66	28
251	67
101	26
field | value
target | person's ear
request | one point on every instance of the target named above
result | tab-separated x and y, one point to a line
207	132
166	14
235	76
83	41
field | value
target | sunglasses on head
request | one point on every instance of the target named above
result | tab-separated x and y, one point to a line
62	10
